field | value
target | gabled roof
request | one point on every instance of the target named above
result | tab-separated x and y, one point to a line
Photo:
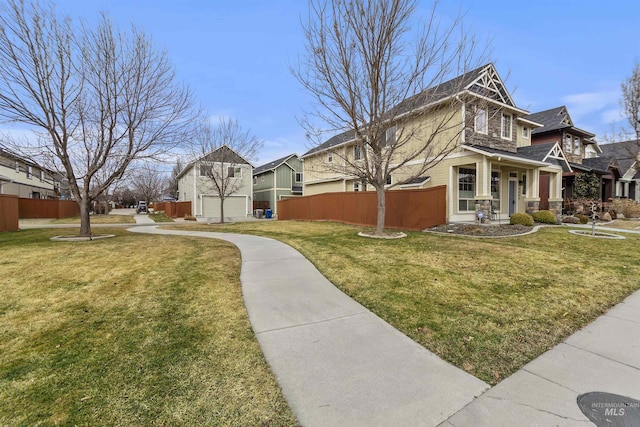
222	154
483	81
555	119
626	153
541	154
602	164
273	165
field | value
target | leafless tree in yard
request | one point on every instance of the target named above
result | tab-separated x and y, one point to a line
148	182
367	66
630	102
97	97
219	151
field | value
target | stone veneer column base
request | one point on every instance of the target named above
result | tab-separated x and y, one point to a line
533	206
484	206
555	206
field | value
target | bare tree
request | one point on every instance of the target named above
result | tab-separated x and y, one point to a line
630	101
219	151
364	65
148	183
97	97
172	181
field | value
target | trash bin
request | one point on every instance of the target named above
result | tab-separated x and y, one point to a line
259	213
268	213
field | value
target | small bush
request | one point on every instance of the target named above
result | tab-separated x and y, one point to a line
189	218
546	217
583	218
521	219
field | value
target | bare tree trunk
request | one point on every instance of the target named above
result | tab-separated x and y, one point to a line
85	224
221	210
380	193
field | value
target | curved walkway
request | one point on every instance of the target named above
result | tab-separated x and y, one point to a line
337	363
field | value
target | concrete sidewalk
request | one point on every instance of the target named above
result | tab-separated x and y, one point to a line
337	363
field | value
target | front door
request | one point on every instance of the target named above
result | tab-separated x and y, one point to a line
512	197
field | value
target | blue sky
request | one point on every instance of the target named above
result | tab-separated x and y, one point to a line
235	55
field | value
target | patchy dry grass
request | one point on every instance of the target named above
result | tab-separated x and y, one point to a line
160	217
625	224
98	219
133	330
488	306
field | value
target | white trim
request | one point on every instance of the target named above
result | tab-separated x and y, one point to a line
506	157
502	123
529	122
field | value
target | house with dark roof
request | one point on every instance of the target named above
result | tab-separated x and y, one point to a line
579	147
196	184
277	180
627	155
24	178
492	169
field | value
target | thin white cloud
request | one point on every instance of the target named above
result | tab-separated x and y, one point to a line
582	105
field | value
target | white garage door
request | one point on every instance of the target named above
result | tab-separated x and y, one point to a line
234	207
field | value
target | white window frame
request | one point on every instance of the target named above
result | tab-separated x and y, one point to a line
577	143
525	132
298	176
568	144
357	152
473	183
389	137
17	166
233	172
29	172
41	175
485	126
389	180
255	180
503	120
356	186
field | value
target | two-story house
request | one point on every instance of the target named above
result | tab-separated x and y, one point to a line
580	149
223	172
23	178
493	168
627	154
277	180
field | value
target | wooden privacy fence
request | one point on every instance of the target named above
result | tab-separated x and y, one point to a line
45	208
173	209
8	213
405	209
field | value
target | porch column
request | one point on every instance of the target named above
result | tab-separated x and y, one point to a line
483	190
555	192
626	189
533	201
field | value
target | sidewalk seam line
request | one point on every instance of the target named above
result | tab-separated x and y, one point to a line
314	323
604	357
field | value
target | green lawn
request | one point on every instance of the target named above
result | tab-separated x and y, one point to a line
135	330
488	306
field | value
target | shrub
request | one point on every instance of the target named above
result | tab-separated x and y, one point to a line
583	218
521	219
189	218
546	217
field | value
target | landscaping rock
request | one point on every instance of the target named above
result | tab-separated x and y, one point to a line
613	214
606	217
570	220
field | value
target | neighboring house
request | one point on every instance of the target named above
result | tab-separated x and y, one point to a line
195	185
580	149
493	170
277	180
627	154
26	179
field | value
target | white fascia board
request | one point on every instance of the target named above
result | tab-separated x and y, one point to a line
529	122
506	157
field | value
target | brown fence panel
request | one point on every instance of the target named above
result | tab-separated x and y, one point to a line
173	209
405	209
45	208
8	213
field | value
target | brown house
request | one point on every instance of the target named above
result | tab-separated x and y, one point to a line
580	149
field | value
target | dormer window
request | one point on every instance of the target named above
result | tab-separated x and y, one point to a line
576	145
330	158
525	132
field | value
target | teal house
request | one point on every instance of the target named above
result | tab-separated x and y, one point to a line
277	180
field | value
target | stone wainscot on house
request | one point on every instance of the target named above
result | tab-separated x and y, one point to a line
22	178
196	186
494	169
277	180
